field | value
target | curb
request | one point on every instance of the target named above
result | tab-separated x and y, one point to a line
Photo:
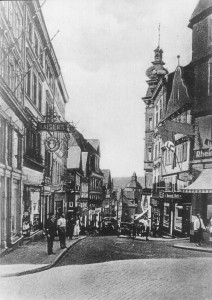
155	239
57	259
193	248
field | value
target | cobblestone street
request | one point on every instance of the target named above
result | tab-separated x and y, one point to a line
130	279
163	272
102	249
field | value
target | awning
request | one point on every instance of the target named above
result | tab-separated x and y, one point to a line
141	215
203	184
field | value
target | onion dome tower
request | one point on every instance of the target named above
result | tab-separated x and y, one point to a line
156	71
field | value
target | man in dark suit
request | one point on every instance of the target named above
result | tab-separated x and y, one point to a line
51	231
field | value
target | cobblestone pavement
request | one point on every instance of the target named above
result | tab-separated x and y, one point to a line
128	279
30	256
163	272
102	249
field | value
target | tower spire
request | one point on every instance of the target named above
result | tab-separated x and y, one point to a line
159	36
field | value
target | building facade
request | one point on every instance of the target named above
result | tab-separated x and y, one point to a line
32	91
181	139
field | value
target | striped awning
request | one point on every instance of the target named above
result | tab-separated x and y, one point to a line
203	184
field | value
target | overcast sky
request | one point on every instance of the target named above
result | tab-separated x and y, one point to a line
104	48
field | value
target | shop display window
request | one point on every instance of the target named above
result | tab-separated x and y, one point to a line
178	218
166	215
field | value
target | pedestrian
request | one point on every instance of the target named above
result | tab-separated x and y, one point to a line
51	232
210	229
61	224
70	227
142	228
200	227
134	230
117	228
147	230
76	228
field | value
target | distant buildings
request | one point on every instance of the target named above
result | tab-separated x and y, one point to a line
178	169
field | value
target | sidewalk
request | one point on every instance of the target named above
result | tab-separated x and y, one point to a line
182	243
193	246
32	257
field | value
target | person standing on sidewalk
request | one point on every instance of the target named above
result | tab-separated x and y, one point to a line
61	224
51	231
200	228
70	227
147	230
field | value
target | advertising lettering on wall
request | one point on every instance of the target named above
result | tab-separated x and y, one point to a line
202	153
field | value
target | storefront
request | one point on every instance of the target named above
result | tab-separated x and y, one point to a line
200	192
176	214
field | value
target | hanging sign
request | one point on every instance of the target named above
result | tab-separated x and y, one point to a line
52	144
53	127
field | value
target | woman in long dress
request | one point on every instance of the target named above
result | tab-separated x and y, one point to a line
76	229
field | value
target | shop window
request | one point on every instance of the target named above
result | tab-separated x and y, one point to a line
166	215
178	218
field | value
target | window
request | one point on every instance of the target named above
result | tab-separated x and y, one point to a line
149	154
34	89
17	150
210	78
150	123
184	151
210	31
156	118
39	96
33	145
28	80
36	45
166	215
3	139
156	151
178	217
30	29
9	145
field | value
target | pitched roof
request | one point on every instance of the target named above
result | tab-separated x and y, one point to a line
203	8
106	174
95	144
181	91
121	182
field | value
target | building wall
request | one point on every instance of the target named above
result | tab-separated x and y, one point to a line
25	85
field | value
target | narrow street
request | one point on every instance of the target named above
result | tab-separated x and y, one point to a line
118	268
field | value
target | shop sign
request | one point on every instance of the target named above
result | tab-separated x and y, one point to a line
202	153
52	127
185	176
173	195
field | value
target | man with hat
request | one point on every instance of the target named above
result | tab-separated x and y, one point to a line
200	228
51	231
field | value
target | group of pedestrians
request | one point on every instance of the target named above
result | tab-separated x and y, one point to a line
61	227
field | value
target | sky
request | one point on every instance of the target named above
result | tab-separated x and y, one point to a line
104	48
